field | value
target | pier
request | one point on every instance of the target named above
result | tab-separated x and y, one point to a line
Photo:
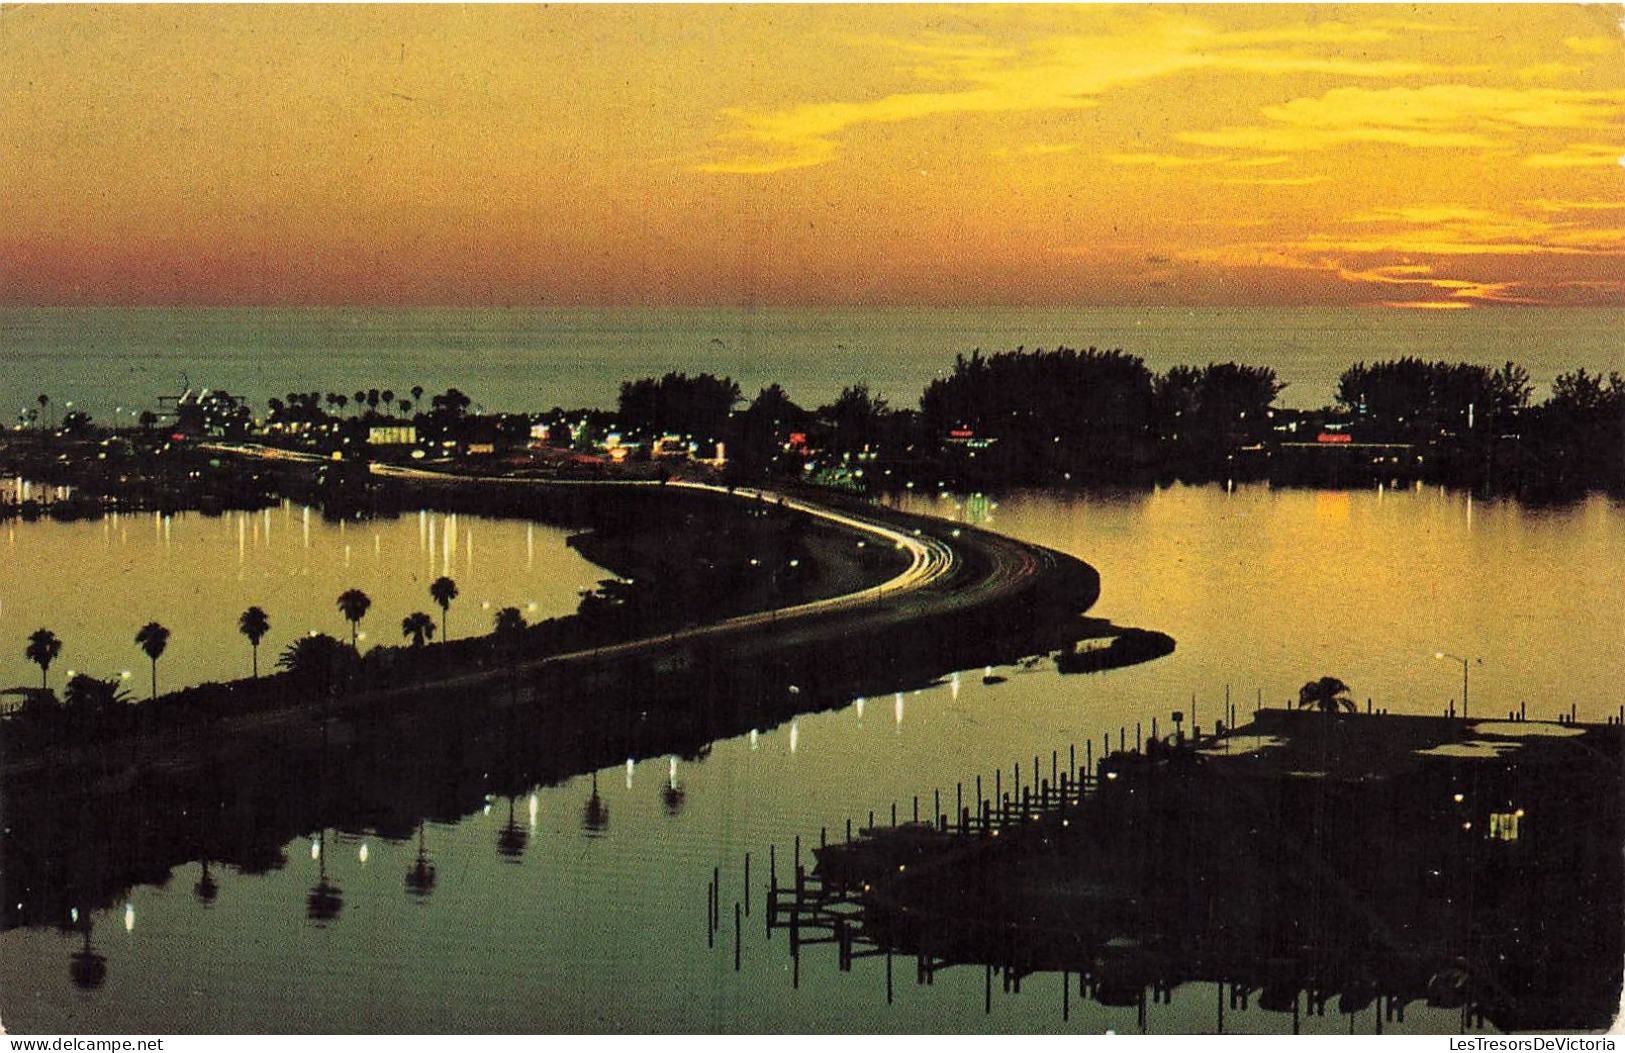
1302	862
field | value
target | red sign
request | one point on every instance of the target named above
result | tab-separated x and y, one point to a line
1334	436
961	433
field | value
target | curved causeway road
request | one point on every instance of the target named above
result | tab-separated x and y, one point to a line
929	583
951	569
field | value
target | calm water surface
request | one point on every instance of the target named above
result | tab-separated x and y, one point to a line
604	929
95	583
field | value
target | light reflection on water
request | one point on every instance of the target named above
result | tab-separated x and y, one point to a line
596	919
95	583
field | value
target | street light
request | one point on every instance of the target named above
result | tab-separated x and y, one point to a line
1464	662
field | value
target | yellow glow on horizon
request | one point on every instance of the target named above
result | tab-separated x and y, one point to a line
808	154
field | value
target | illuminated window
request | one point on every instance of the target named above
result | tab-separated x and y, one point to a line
1504	826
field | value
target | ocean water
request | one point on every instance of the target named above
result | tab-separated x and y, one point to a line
114	362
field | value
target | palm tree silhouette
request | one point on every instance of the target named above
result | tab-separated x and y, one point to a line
1328	694
87	969
325	899
254	625
507	621
420	876
595	813
512	838
672	795
418	626
443	591
207	888
43	647
354	604
87	694
153	638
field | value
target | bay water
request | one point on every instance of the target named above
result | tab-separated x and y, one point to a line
601	925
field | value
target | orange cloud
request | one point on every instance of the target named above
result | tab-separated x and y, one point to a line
1057	73
1578	155
1433	117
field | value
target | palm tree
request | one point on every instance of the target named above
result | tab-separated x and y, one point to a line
87	968
152	639
512	839
254	625
320	662
420	877
43	647
595	813
508	621
354	604
418	626
443	591
207	888
87	694
1328	694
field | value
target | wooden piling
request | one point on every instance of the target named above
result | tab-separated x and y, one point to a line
1066	996
798	863
916	808
823	836
1136	736
738	934
888	977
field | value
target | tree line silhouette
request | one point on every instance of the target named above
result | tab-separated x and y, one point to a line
1065	415
316	657
1049	417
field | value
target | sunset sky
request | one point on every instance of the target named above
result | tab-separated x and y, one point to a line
804	155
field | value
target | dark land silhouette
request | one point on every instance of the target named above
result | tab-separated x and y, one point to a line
1056	417
1307	860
